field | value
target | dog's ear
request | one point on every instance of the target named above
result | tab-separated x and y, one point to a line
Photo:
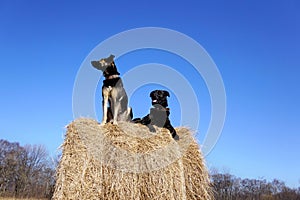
166	93
152	93
97	65
110	59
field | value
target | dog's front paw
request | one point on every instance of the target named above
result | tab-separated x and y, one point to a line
151	129
115	123
176	137
102	123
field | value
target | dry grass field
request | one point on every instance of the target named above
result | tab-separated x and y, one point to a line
4	198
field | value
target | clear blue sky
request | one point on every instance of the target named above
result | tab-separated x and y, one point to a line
255	44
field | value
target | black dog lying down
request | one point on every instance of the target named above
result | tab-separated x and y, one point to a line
159	115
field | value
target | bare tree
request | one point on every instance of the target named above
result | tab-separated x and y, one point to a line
12	156
229	187
25	171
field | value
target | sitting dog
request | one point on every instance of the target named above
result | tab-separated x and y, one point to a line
159	114
113	92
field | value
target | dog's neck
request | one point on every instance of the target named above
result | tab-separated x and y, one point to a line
112	76
161	108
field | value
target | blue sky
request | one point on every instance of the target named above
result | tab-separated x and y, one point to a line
255	44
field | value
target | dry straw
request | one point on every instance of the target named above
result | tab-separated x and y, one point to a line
129	162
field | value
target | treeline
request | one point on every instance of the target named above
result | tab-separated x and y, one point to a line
28	172
229	187
25	171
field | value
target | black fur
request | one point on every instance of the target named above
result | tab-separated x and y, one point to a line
113	82
159	115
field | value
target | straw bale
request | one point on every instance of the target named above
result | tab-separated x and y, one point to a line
127	161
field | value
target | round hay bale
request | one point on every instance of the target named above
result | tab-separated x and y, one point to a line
129	162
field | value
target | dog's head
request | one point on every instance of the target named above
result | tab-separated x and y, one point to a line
107	66
159	98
